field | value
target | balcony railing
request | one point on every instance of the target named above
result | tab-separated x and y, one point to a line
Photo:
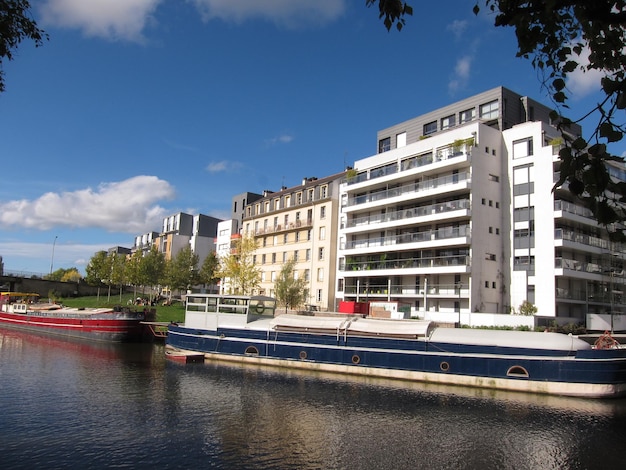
429	235
407	263
407	164
439	290
421	211
410	188
282	228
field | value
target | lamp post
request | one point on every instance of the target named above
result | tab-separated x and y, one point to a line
52	259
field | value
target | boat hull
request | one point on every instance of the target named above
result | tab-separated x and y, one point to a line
588	373
98	329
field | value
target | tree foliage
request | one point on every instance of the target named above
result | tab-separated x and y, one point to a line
237	269
562	37
291	292
16	25
209	271
153	268
182	271
96	269
64	275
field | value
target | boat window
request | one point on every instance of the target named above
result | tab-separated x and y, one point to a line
444	366
356	359
517	371
252	351
302	354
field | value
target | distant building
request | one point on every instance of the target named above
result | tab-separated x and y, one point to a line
298	223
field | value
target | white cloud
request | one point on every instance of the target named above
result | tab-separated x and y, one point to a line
111	19
281	139
127	206
222	166
583	82
461	75
457	27
288	13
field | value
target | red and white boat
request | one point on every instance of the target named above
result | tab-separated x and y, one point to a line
24	311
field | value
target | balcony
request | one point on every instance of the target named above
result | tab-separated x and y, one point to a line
411	188
417	237
399	264
298	224
422	211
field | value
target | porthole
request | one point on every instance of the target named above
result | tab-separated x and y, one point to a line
302	355
356	359
444	366
252	351
517	371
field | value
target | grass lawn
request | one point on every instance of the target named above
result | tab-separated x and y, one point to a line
165	313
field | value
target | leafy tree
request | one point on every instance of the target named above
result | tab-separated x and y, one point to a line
527	308
64	275
290	291
16	25
209	271
238	269
133	270
182	270
118	272
96	270
153	268
562	37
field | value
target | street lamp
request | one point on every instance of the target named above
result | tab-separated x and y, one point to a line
52	259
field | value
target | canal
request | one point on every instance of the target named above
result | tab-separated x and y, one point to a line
69	404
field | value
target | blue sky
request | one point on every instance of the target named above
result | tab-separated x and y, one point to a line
138	109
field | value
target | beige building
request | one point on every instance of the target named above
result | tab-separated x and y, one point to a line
298	223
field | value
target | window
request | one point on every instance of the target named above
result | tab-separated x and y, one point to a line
490	110
297	236
467	115
287	201
284	256
273	276
401	140
275	222
307	275
273	258
490	257
318	297
308	254
295	256
264	241
384	145
285	238
323	212
320	274
523	148
262	276
447	122
324	192
286	220
298	199
253	259
311	194
262	259
430	128
308	234
322	233
320	254
494	178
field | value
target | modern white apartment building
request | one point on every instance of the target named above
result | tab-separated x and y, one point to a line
298	223
456	214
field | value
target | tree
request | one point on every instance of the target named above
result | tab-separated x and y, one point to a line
96	270
16	25
209	272
64	275
133	270
290	290
118	272
182	270
561	37
153	268
238	269
527	308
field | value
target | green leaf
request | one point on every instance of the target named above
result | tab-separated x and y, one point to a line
570	66
558	84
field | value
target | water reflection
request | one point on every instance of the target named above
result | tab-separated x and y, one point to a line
72	403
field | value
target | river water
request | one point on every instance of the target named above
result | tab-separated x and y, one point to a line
68	404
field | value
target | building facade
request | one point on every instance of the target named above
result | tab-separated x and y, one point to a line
445	216
298	223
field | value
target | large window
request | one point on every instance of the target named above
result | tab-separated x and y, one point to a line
523	148
447	122
490	110
430	128
467	115
384	145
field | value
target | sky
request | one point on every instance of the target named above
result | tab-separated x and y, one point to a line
134	110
